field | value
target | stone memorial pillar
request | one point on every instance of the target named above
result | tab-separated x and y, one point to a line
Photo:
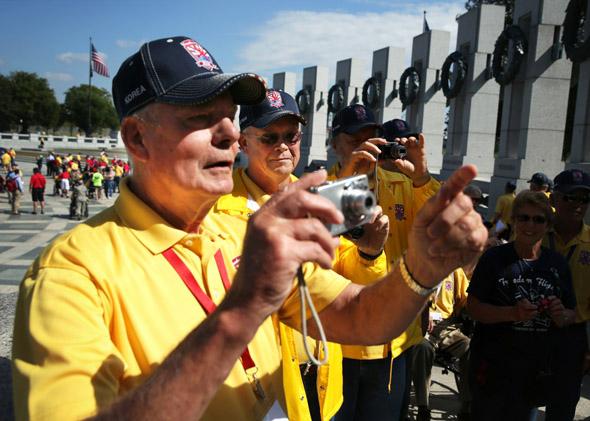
381	89
284	81
472	115
535	102
346	90
312	105
580	149
427	112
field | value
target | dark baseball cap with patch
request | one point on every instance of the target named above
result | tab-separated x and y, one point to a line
353	118
178	70
396	129
276	104
569	180
540	179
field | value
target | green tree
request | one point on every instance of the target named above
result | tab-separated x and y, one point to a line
33	101
6	115
470	4
103	112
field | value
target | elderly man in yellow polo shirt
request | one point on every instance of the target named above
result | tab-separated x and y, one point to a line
140	312
401	187
270	137
570	237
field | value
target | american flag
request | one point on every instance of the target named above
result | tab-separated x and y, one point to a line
98	63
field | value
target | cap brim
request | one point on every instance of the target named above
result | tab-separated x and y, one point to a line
245	88
355	128
568	188
269	118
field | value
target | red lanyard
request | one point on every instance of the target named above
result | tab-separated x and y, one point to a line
203	299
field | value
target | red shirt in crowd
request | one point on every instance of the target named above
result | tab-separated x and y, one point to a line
37	181
65	175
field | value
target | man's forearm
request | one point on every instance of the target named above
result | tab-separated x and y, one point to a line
371	315
188	379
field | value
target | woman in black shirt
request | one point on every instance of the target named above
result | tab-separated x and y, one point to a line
520	295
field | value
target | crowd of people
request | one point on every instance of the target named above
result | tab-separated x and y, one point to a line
73	177
183	306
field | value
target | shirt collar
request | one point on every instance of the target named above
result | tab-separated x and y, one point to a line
147	225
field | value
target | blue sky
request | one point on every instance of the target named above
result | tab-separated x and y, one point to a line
50	37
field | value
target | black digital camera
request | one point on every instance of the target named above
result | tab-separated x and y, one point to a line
392	150
352	197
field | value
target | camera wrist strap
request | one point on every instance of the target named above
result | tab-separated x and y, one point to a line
305	296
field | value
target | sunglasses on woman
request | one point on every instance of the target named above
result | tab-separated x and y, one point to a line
537	219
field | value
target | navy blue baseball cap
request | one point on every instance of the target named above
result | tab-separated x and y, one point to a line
540	179
178	70
569	180
276	104
397	128
353	118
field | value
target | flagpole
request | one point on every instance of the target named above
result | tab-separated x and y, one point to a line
89	84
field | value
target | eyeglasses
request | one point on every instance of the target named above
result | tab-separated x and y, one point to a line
537	219
274	139
572	198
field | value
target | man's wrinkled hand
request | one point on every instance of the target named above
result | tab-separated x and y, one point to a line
447	232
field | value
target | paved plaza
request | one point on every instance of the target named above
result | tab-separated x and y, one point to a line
23	237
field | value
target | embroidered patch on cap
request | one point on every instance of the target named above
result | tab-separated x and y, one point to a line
201	56
274	98
360	112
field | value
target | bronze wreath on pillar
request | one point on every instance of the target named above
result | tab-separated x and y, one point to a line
336	98
451	90
371	92
506	61
576	49
303	99
409	86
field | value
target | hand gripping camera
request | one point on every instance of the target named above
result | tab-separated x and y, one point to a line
352	197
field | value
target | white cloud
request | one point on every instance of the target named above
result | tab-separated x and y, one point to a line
305	38
62	77
128	44
70	57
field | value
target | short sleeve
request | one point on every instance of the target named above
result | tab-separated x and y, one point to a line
481	283
324	286
64	364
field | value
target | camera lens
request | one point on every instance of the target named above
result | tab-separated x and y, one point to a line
357	203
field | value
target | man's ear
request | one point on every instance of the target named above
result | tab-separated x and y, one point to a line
132	134
243	142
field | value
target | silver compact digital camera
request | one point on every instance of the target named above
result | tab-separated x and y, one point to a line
352	197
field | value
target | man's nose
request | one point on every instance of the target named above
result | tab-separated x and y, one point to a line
225	133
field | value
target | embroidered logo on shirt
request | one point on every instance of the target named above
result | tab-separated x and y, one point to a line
400	212
236	262
448	286
584	258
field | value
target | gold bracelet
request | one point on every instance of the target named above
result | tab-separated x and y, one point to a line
411	282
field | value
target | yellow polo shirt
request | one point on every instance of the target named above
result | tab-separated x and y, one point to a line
504	207
400	201
101	308
450	296
579	264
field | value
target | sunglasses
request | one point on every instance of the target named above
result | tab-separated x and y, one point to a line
537	219
273	139
572	198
